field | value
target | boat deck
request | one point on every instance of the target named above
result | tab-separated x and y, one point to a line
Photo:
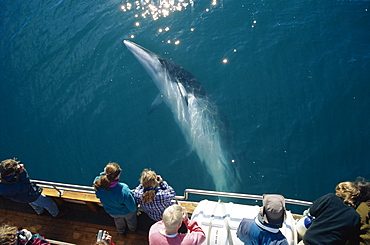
87	216
79	226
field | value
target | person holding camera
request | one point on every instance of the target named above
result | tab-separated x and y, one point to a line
16	185
10	235
116	198
103	238
153	194
166	231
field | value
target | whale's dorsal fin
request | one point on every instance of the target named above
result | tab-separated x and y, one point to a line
157	102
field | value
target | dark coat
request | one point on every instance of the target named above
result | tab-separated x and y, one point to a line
19	189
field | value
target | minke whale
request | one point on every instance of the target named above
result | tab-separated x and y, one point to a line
197	117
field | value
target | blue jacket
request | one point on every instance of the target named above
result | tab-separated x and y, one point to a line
251	233
117	200
19	190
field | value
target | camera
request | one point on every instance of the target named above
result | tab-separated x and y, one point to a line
101	235
16	159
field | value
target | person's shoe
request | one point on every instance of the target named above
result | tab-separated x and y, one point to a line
122	234
62	212
42	213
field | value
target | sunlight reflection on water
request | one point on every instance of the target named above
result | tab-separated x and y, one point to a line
156	9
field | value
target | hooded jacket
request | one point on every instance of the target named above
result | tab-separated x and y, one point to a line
19	189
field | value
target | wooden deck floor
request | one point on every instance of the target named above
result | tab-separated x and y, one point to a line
79	226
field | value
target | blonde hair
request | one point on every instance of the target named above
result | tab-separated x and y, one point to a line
148	179
111	172
172	218
8	234
348	191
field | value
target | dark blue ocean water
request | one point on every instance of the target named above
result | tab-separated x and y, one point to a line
294	92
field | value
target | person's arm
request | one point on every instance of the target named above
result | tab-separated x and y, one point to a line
137	192
129	200
166	192
23	175
163	185
319	205
192	226
196	232
243	230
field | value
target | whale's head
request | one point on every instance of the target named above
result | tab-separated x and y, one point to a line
149	60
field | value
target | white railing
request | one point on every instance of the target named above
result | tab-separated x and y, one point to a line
235	195
60	187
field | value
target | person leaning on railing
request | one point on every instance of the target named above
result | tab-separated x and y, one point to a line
16	185
264	228
335	218
153	194
116	198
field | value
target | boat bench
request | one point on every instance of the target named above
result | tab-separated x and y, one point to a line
90	199
72	196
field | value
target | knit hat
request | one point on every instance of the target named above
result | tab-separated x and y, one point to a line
273	209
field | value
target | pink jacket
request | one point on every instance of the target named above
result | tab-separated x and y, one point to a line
193	237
